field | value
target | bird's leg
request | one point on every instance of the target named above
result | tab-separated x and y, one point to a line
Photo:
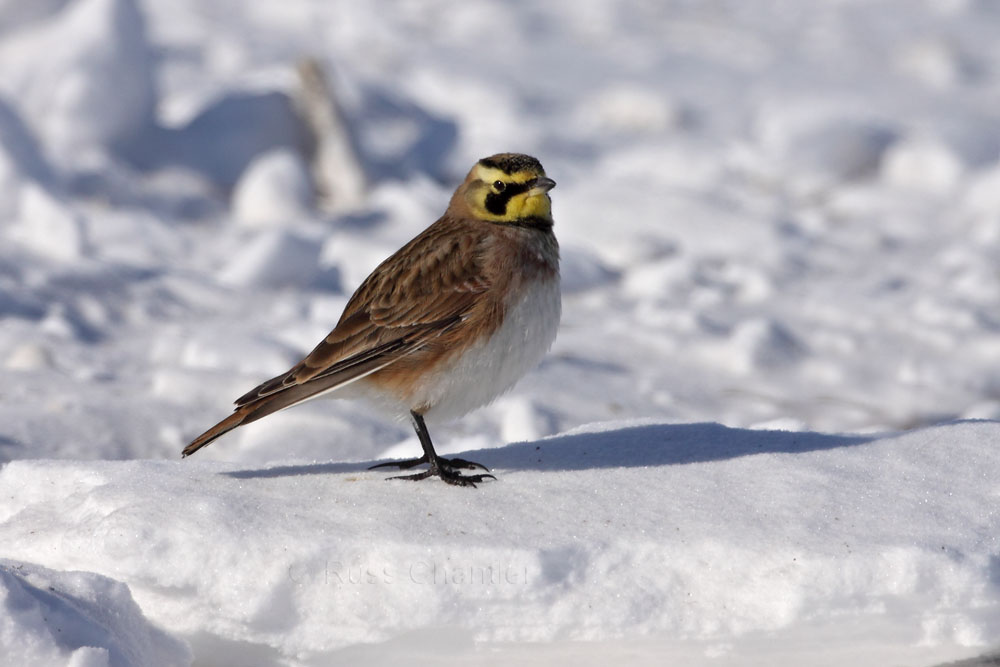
439	466
422	433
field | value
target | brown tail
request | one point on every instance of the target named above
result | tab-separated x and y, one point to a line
262	407
220	429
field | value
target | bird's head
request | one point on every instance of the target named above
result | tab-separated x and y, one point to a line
508	188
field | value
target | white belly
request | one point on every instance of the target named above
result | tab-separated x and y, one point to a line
492	367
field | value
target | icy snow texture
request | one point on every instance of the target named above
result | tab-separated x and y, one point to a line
773	215
624	529
79	619
274	189
83	78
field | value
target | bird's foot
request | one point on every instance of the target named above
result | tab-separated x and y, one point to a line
411	463
447	470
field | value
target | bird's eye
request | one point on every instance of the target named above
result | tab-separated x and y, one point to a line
499	186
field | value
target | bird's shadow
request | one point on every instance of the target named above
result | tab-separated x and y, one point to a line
628	447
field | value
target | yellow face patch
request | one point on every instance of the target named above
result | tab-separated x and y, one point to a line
501	197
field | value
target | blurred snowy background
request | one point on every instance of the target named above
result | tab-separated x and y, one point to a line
774	214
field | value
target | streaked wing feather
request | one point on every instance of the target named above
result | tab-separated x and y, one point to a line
427	288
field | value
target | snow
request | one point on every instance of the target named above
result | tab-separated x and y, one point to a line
770	421
94	88
77	618
274	188
695	531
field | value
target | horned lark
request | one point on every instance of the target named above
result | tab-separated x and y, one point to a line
445	325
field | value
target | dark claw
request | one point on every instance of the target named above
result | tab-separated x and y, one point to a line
448	476
402	465
478	478
411	463
462	463
452	477
420	475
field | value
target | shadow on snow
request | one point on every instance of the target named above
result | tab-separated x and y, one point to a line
629	447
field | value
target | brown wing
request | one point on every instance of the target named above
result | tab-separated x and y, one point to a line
427	288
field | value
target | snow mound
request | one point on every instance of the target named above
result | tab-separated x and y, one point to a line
274	189
78	619
21	159
922	165
620	530
48	227
83	77
278	258
810	140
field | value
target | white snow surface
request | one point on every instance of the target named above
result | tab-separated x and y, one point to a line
685	533
77	618
768	431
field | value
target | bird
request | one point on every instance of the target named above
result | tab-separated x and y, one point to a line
445	325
